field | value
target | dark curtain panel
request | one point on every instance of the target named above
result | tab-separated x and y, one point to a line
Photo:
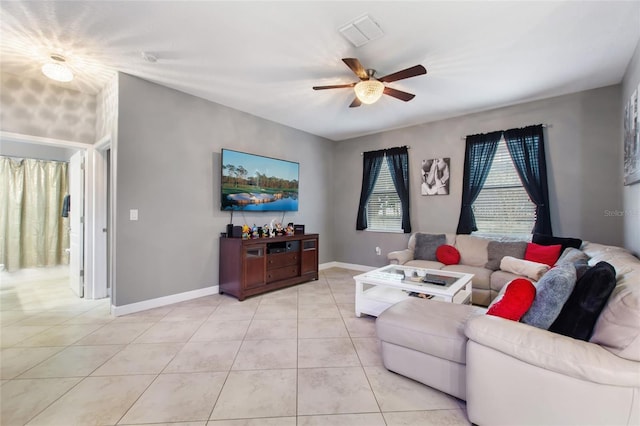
478	157
370	171
398	161
526	147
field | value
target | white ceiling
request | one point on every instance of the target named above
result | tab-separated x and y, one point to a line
264	57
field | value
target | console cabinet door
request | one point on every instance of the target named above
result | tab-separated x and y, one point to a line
309	257
255	266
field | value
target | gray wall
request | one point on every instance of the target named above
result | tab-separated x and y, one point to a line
631	193
38	108
168	167
583	159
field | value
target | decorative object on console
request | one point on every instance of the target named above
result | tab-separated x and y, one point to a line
496	250
581	311
448	254
427	244
552	292
435	176
530	269
515	301
543	254
289	230
245	231
632	139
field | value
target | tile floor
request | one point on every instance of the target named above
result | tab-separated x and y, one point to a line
297	356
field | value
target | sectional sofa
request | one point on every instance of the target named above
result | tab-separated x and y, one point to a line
511	373
475	254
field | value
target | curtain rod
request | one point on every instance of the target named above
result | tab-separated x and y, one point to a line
404	146
16	157
464	138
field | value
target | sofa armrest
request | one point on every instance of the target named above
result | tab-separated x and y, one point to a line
551	351
400	257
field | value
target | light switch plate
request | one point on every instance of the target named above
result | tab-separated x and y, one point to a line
133	214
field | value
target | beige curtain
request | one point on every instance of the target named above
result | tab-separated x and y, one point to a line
33	232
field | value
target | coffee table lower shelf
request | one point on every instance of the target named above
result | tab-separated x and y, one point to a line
379	289
375	300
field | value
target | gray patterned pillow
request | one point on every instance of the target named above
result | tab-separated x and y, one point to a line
579	259
427	244
572	255
552	292
496	250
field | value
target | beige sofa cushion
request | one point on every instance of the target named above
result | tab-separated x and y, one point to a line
473	250
481	276
428	326
500	278
618	326
551	351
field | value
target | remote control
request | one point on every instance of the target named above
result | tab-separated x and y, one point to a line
435	281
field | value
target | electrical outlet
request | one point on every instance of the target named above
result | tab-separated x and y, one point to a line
378	251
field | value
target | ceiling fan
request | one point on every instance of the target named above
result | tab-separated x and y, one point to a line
370	88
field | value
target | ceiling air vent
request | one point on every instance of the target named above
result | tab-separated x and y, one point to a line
361	31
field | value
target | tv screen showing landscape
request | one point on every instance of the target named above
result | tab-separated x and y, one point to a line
255	183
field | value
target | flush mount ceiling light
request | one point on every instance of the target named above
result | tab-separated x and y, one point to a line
57	70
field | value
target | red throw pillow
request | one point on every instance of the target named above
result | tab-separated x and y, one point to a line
516	300
543	254
449	255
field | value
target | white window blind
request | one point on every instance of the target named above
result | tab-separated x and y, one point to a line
384	210
503	206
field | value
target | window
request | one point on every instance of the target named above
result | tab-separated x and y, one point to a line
384	209
503	205
384	198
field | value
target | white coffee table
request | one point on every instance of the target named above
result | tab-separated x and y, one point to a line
379	289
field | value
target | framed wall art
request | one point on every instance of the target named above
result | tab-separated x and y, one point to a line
435	176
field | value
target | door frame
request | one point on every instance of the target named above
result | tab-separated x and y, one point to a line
76	172
103	266
95	252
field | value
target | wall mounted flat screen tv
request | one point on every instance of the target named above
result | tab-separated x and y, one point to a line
252	182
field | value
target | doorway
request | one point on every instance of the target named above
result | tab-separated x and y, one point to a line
92	255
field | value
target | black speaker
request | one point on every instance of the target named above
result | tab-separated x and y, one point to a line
236	232
298	229
230	230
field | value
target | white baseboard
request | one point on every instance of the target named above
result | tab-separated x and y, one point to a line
353	266
162	301
207	291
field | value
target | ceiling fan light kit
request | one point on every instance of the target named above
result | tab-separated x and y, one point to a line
370	89
57	70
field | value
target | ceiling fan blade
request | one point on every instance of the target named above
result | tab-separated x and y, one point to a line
399	94
406	73
356	103
335	86
356	67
